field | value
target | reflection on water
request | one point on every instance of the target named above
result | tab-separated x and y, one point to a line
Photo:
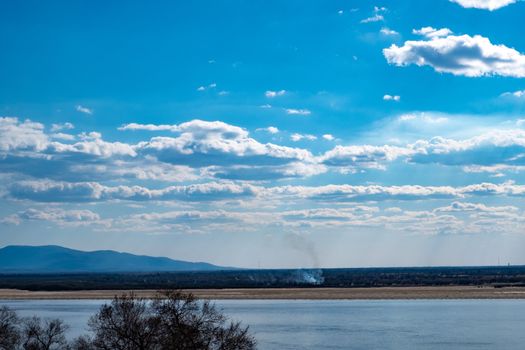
413	324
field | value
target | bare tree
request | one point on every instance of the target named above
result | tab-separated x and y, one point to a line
82	343
43	335
171	321
187	323
9	333
126	324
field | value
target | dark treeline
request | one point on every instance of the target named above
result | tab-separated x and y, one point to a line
345	278
170	321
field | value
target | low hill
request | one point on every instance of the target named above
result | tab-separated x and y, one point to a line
56	259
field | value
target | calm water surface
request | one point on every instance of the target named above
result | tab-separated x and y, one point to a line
424	324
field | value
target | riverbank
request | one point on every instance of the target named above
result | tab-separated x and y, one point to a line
400	293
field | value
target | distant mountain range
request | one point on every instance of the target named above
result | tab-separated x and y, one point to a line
56	259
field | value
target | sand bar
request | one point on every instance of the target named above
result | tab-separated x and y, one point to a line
452	292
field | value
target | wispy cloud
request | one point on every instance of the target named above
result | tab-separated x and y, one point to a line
63	136
430	32
519	94
298	137
270	129
388	31
272	94
83	109
63	126
298	111
377	16
207	87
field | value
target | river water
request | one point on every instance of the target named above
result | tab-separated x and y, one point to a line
330	324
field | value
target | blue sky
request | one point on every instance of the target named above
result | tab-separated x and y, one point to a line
266	133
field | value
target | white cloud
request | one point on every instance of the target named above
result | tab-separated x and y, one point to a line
492	148
517	95
84	110
21	136
198	145
64	126
493	169
265	173
374	18
272	94
145	170
460	55
499	149
351	193
207	87
294	111
377	17
51	191
490	5
203	150
204	144
298	137
149	127
362	156
388	31
271	130
422	117
92	144
56	215
430	32
406	128
395	98
479	207
462	218
63	136
92	135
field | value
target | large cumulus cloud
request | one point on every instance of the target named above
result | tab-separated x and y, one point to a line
490	5
216	149
203	143
471	56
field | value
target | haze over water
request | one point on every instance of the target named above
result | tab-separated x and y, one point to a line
399	325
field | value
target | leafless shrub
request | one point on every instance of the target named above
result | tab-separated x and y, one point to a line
9	332
43	335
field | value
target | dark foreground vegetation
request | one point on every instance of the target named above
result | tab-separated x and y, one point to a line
170	321
337	278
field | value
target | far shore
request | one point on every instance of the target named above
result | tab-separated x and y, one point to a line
383	293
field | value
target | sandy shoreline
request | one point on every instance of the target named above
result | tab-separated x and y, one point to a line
459	292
